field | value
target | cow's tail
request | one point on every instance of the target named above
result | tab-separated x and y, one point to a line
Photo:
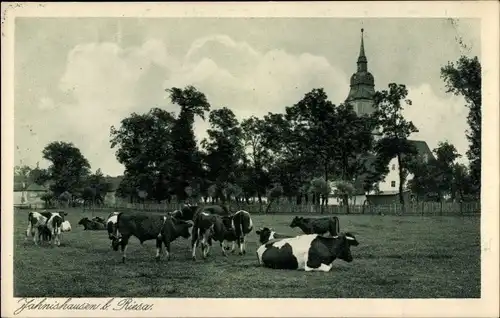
116	227
29	230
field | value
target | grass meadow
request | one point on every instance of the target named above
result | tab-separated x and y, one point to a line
398	257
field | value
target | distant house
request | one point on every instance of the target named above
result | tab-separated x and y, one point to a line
30	194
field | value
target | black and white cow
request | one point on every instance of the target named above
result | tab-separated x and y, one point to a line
208	226
46	226
322	226
237	227
111	221
37	226
310	252
162	228
267	234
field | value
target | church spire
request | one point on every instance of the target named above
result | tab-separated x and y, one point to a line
362	62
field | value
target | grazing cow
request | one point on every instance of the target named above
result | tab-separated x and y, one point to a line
186	213
111	224
37	226
91	225
208	226
266	234
66	226
163	229
238	226
310	252
317	225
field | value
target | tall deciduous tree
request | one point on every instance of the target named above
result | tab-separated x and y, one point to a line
464	78
68	168
144	147
186	155
395	130
224	147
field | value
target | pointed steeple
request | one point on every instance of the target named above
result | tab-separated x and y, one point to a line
362	62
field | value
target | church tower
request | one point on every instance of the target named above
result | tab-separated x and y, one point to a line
362	85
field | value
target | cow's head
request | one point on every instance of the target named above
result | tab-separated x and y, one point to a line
346	240
296	221
265	234
83	221
115	243
188	211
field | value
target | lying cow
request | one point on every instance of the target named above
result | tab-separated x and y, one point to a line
310	252
91	225
66	226
98	219
266	234
320	226
163	229
208	226
237	227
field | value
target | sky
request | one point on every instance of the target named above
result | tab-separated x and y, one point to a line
76	77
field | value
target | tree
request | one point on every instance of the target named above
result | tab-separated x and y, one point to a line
464	78
68	168
224	148
186	156
395	130
319	187
22	173
39	176
273	195
257	147
344	190
144	146
446	154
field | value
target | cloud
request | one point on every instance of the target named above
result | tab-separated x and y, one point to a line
107	82
438	119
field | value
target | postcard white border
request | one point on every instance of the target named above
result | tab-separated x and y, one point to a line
487	11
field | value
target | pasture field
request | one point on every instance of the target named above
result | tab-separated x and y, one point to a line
398	257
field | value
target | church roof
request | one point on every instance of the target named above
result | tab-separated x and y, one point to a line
362	82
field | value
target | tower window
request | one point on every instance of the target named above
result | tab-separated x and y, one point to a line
393	184
393	167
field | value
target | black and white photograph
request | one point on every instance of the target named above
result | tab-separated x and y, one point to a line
235	157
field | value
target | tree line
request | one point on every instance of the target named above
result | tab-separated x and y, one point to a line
297	154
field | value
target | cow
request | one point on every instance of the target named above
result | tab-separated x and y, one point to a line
208	226
111	224
320	226
98	219
37	226
91	225
66	226
54	224
217	209
186	213
309	252
267	234
164	229
237	227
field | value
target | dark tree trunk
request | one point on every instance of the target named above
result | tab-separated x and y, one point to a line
401	181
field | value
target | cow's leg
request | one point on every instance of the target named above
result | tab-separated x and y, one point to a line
233	246
242	246
124	244
158	249
195	234
35	236
167	250
320	268
28	231
206	243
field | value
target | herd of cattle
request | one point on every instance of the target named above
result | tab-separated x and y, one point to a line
315	250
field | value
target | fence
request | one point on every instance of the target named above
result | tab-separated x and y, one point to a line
415	208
